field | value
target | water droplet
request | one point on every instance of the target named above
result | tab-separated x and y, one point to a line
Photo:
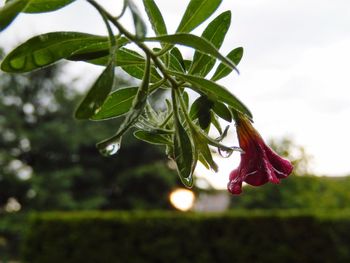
111	149
225	153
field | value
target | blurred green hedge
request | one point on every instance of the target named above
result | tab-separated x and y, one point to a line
127	237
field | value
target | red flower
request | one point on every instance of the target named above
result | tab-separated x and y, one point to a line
259	163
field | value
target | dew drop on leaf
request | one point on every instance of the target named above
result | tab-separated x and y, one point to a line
225	153
111	149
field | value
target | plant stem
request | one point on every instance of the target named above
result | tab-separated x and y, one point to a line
137	41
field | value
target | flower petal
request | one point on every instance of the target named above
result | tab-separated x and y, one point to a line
282	166
235	184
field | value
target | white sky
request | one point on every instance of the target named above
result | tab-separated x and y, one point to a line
294	73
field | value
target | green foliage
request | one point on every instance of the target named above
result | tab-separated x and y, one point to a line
97	94
215	92
222	71
43	50
215	34
10	11
40	6
197	12
183	154
140	26
66	172
155	17
298	192
198	43
250	236
118	103
185	137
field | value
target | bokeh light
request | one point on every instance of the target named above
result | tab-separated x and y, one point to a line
182	199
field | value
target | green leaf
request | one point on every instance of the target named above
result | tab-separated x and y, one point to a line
138	105
10	11
186	99
195	42
98	53
117	103
183	154
222	111
155	17
201	109
152	138
140	26
40	6
43	50
197	12
187	64
215	33
222	71
137	71
201	149
215	122
97	94
214	92
175	64
204	153
176	52
123	57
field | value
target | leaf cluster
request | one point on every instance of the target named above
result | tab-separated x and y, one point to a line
181	126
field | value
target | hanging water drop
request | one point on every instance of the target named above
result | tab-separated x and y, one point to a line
225	153
111	149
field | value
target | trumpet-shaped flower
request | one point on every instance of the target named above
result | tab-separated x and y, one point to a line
259	163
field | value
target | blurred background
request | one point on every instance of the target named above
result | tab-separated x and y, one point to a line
293	78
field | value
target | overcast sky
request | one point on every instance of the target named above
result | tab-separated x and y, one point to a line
294	73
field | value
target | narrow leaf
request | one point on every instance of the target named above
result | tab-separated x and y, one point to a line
117	103
214	91
215	33
175	64
195	42
222	71
152	138
183	155
155	17
137	108
10	11
201	109
197	12
140	26
40	6
186	99
215	122
97	94
43	50
222	111
176	52
98	53
138	71
123	57
205	153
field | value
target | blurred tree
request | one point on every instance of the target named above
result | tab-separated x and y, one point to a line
48	161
